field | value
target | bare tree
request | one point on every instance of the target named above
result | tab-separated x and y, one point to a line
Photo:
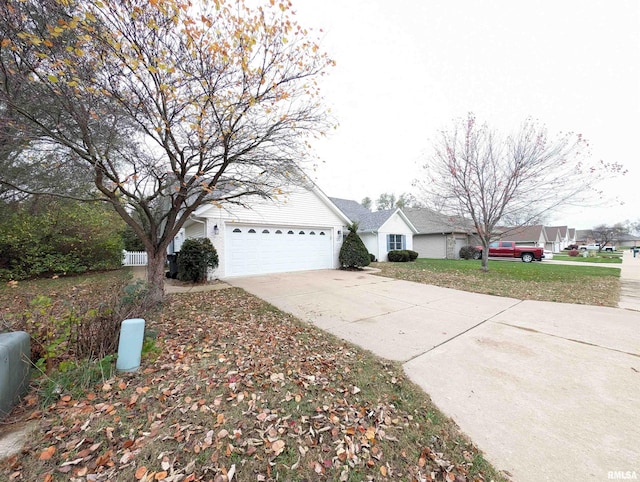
605	235
487	178
165	105
367	202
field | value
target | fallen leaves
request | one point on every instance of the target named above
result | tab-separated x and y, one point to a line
239	381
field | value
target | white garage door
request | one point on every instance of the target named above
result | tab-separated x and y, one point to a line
267	249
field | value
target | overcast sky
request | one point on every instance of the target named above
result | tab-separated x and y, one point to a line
407	68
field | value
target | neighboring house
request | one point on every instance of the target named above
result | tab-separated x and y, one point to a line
380	231
562	234
300	230
554	239
571	237
439	236
535	235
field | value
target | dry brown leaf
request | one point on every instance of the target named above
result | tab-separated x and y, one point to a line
48	453
140	472
277	447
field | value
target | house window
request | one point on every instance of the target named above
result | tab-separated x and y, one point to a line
265	231
278	232
312	233
237	230
395	241
322	233
289	232
301	232
252	231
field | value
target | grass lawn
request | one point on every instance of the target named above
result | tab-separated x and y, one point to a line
231	388
527	281
604	258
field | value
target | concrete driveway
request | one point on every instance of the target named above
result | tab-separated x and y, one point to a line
548	391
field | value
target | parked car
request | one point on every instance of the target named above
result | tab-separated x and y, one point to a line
509	249
596	247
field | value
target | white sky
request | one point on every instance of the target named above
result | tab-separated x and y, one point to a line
407	68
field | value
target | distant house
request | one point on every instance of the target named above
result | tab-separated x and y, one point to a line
562	235
381	231
535	235
439	236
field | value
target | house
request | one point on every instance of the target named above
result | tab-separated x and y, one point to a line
300	230
562	235
535	235
439	236
380	231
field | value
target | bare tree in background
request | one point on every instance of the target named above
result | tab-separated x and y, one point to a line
476	173
605	235
164	105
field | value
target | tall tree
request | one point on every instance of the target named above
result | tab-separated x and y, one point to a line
606	235
165	104
386	201
487	178
367	202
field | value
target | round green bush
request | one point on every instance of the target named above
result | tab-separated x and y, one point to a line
196	255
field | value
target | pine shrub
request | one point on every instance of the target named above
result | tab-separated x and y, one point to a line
353	253
195	257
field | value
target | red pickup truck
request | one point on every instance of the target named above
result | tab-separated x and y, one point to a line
508	249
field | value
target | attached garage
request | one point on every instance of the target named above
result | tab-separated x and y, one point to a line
298	230
254	249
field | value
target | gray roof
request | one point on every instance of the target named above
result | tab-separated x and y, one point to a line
367	220
427	221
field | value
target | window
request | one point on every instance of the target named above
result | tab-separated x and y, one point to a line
289	232
237	230
395	241
278	232
507	244
265	231
252	231
301	232
322	233
312	233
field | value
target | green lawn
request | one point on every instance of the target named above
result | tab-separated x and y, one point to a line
532	281
603	258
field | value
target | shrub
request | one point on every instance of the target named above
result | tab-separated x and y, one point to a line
413	255
196	255
372	257
468	252
574	252
399	256
44	237
353	253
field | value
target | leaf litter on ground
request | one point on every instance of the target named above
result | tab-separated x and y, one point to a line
241	391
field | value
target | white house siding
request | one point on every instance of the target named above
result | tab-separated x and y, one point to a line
394	225
370	240
301	209
430	245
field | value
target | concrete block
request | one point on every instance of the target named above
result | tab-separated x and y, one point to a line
15	365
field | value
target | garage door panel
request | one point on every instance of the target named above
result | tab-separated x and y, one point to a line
260	250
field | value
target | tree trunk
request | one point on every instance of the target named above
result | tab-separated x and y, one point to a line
485	258
155	275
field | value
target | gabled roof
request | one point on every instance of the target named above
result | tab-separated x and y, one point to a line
572	233
368	220
525	234
562	231
553	233
428	221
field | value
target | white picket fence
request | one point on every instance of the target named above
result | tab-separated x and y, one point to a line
134	258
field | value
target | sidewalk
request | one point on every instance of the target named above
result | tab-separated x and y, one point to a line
630	282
